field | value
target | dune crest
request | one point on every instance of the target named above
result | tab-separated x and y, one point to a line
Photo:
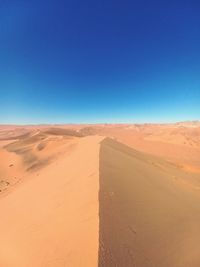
71	198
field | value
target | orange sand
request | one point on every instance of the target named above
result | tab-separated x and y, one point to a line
69	197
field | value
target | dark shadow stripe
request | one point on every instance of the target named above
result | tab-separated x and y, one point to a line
139	210
115	249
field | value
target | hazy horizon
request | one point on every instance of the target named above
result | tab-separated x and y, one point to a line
100	123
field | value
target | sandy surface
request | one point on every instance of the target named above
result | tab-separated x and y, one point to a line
67	198
51	219
148	216
179	143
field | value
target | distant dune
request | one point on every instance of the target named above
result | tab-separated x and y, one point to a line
100	195
179	143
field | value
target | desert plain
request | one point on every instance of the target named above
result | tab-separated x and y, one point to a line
106	195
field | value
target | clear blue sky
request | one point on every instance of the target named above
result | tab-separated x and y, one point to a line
99	61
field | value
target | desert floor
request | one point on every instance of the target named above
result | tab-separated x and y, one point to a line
100	195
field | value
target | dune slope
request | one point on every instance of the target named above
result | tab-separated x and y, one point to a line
149	216
75	201
51	219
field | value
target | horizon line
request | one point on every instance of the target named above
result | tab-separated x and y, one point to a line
99	123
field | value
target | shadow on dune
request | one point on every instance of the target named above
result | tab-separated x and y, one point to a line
116	233
145	218
63	132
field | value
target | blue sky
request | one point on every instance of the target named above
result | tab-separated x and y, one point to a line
99	61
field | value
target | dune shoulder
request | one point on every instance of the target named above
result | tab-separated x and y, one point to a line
52	218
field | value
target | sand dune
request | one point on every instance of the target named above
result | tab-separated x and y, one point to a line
179	143
32	152
147	216
51	219
68	199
